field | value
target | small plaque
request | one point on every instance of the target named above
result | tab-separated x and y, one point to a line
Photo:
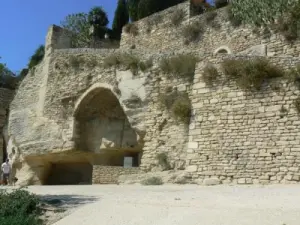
128	162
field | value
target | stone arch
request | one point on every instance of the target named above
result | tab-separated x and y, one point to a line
223	49
101	127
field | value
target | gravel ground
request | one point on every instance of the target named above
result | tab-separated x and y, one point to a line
177	205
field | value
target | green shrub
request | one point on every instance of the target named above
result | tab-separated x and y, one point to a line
145	65
37	57
167	99
19	208
132	29
288	24
162	159
130	62
192	32
156	19
180	66
250	74
111	60
152	181
210	75
234	21
178	104
210	16
75	62
297	104
293	76
181	109
177	17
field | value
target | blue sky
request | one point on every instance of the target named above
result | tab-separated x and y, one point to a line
24	24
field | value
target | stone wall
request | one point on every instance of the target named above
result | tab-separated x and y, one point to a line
233	136
110	174
244	138
217	33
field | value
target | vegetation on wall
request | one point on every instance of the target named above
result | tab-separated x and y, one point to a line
282	14
177	17
179	66
297	104
250	74
210	75
127	61
132	29
259	11
121	18
162	159
293	76
182	108
178	104
192	32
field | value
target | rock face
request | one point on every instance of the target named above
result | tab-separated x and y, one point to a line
82	112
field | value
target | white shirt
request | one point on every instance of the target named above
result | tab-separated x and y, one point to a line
5	168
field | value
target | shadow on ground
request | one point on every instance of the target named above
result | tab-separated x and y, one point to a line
66	201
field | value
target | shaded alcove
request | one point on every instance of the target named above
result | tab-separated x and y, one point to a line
70	173
102	127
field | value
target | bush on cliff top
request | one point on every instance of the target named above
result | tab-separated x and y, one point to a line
19	208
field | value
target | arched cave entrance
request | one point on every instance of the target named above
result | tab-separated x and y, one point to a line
69	173
102	135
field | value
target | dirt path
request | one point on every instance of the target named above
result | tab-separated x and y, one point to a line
178	205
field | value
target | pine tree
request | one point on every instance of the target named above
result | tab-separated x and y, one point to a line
148	7
121	18
133	6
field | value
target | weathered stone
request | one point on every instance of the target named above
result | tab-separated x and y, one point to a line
74	108
211	181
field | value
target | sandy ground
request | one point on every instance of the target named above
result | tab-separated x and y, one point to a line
177	205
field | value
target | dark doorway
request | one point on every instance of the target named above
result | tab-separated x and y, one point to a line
70	174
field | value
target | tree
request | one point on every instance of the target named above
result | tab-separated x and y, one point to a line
37	57
97	18
260	11
221	3
133	6
78	29
121	18
83	28
148	7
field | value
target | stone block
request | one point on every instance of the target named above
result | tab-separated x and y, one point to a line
191	168
211	181
241	181
193	145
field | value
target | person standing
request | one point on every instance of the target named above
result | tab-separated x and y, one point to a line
6	168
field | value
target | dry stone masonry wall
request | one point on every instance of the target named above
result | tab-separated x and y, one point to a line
244	138
110	174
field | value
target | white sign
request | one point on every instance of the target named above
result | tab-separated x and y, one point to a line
128	162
